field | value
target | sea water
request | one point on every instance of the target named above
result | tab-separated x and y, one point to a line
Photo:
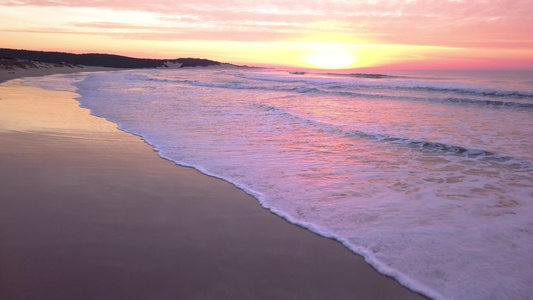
428	176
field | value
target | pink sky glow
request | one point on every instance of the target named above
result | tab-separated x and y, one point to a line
449	34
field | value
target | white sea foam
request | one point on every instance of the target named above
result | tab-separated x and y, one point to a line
437	194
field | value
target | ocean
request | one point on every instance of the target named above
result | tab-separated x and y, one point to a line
427	175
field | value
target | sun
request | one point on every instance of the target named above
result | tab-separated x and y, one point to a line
330	60
329	56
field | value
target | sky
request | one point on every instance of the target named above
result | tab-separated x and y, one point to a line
394	34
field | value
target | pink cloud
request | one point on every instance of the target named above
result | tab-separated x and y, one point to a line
469	24
489	23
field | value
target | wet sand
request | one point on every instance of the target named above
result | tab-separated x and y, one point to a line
91	212
46	69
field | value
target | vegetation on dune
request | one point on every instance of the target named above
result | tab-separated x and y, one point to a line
11	56
12	64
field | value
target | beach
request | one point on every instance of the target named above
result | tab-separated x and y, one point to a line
43	69
91	212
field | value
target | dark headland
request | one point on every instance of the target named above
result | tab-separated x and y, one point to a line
100	60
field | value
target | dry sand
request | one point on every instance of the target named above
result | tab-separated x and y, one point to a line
91	212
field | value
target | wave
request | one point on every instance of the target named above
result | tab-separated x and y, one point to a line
436	147
355	75
304	90
136	77
476	91
478	102
422	145
344	84
339	89
236	86
488	103
430	146
359	81
364	75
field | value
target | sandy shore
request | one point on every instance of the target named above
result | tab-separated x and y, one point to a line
45	69
91	212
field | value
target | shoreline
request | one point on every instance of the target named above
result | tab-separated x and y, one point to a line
47	69
90	211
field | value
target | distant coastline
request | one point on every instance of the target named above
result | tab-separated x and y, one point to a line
100	60
27	63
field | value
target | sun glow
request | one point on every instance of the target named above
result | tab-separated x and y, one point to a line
329	60
330	56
